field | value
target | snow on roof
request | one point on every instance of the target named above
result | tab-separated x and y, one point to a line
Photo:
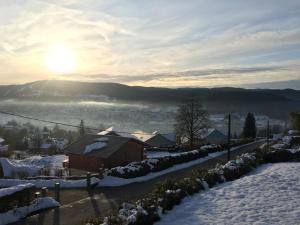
14	189
95	146
1	140
107	131
143	136
112	130
102	139
170	136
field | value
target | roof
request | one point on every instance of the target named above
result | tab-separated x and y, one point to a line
145	137
113	131
113	144
159	140
1	140
215	133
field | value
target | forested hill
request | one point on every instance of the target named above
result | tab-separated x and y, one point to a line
276	103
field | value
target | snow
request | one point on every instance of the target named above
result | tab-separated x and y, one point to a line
112	130
94	146
14	189
110	181
159	154
287	139
20	213
49	183
46	146
32	165
3	148
279	146
293	132
294	150
267	196
10	167
102	139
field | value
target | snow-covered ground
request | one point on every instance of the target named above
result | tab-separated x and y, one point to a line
14	189
269	195
31	165
49	183
20	213
159	154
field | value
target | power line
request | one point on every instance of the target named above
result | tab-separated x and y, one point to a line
63	124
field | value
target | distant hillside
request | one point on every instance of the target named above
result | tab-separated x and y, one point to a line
275	103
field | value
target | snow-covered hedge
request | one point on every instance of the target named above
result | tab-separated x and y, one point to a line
16	196
275	155
35	206
137	169
148	210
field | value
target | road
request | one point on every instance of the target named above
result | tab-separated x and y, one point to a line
80	204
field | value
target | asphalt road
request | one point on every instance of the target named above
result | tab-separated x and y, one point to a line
80	204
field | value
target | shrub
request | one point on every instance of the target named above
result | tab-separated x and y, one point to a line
136	169
169	193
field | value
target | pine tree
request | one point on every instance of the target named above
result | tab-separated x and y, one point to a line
250	126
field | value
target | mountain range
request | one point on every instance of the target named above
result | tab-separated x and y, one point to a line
275	103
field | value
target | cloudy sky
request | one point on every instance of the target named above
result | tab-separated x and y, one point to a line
152	43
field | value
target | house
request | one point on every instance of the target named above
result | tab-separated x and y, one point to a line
215	136
3	146
158	140
94	151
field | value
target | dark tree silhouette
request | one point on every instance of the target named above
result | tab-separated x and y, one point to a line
81	128
191	121
295	120
249	130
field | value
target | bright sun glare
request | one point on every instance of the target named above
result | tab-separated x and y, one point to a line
60	59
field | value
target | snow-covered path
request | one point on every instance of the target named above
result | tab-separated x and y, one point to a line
270	195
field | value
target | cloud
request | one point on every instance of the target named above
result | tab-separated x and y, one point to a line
151	41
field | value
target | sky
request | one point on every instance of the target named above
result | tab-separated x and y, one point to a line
169	43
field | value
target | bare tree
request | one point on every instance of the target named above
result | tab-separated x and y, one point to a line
192	121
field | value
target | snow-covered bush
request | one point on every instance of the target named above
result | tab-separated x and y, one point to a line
281	155
136	169
165	196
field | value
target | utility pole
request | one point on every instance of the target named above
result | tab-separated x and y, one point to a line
228	137
268	133
81	128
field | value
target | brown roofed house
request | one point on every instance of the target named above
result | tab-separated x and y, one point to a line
94	151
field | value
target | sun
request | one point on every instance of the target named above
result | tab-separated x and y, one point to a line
60	59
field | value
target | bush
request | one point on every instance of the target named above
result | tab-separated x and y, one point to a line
169	193
137	169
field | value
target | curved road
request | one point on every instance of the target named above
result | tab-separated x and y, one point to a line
80	204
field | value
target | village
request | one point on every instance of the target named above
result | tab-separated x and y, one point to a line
53	161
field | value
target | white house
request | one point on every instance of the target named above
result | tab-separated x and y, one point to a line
3	146
158	140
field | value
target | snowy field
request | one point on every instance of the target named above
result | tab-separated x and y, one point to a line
270	195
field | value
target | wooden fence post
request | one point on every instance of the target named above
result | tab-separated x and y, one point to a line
88	179
100	170
44	192
57	190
